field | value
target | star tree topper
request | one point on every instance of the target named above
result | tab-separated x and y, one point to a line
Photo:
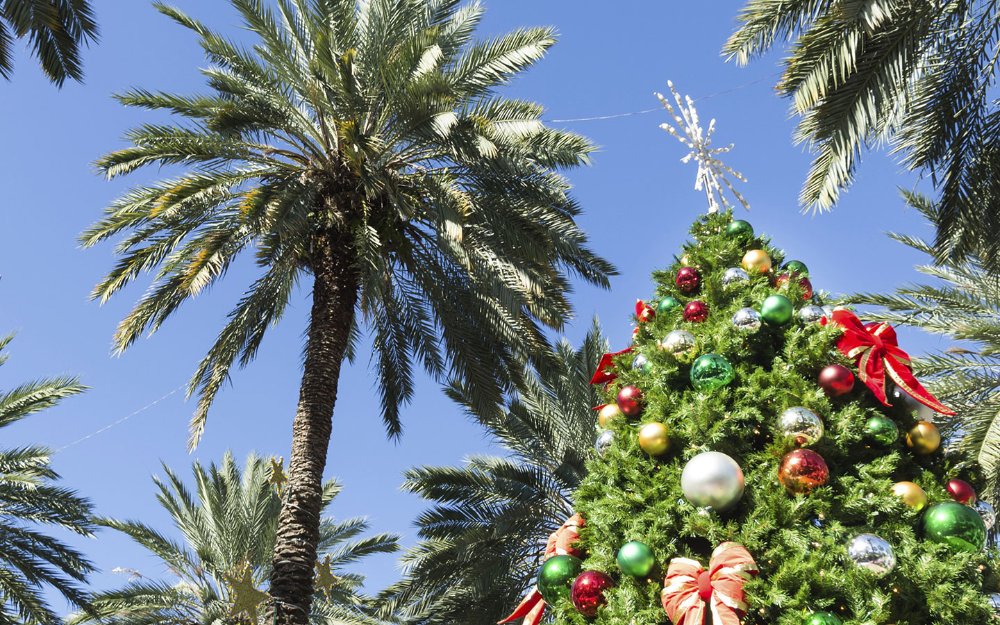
713	175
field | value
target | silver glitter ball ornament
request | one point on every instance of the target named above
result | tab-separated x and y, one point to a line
811	313
734	275
641	362
987	512
747	320
800	426
828	311
873	553
680	343
995	602
604	442
712	480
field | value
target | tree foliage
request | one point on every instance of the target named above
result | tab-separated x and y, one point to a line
56	31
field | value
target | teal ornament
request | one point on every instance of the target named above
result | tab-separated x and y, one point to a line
956	525
797	266
636	559
667	304
777	310
710	372
822	618
882	430
739	228
555	577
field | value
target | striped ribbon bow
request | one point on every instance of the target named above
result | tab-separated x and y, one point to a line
690	589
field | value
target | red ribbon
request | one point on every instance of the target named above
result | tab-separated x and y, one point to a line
875	350
605	368
562	542
643	311
690	589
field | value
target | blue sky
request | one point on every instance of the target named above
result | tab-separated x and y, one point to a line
638	200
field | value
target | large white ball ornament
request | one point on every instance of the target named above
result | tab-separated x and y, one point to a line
712	480
873	553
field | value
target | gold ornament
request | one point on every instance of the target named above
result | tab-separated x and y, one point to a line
654	439
924	438
757	261
607	413
244	595
686	260
325	579
278	477
912	495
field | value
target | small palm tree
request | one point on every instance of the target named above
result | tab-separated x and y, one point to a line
32	562
228	525
55	29
483	538
362	147
962	303
915	75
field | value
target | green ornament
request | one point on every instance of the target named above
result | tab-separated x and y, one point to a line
822	618
739	227
711	371
797	266
777	310
667	304
955	525
555	576
636	559
882	430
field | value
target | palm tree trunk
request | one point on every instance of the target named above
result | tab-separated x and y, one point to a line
335	293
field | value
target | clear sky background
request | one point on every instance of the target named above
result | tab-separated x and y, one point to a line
638	200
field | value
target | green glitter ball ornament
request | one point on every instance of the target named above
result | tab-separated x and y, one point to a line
555	577
797	266
777	310
636	559
956	525
711	371
739	227
822	618
667	304
882	430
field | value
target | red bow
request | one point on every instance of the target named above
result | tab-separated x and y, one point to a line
643	311
605	368
689	589
875	350
561	543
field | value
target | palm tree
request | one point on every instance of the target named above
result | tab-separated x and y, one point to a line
483	538
229	525
31	561
55	29
361	145
915	75
963	304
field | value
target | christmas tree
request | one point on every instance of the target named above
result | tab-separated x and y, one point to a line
764	459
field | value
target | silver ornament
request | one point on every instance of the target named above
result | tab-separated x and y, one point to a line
828	311
604	442
987	512
712	480
811	314
873	553
640	362
994	599
680	343
899	396
747	320
734	275
800	426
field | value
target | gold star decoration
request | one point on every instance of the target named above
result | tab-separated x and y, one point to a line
325	579
244	594
278	477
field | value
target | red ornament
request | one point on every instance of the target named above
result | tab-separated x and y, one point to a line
696	311
784	279
961	491
802	471
643	311
688	280
630	400
588	592
836	380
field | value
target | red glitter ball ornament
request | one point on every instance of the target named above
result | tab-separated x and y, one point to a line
630	400
784	279
836	380
802	471
588	592
961	491
696	311
688	280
